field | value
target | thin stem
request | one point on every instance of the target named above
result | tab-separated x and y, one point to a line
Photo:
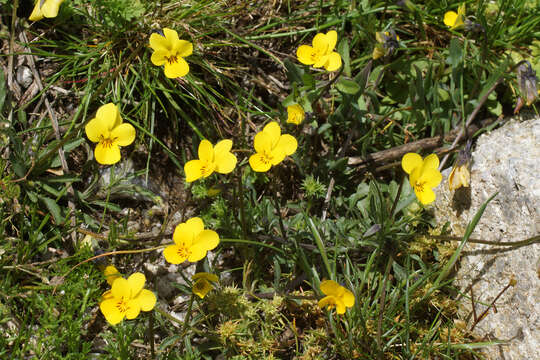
187	319
382	300
242	209
397	197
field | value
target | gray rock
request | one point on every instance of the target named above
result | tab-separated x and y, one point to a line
506	160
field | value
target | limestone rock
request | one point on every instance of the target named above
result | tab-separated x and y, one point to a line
507	161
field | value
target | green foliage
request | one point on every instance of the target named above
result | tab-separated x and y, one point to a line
315	216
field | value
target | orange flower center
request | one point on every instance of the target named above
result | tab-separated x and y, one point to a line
106	142
419	186
171	59
183	252
207	168
122	305
266	158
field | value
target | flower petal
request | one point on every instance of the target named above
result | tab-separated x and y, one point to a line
201	288
334	62
320	43
340	307
206	151
415	176
273	131
136	282
123	134
327	301
329	287
321	61
159	57
107	155
331	38
183	48
193	170
348	298
176	68
205	275
410	161
209	239
430	162
147	300
295	114
171	254
110	115
111	312
50	8
450	18
121	289
111	274
36	14
171	36
262	142
288	143
277	155
197	252
426	196
195	226
133	308
306	54
259	162
227	163
183	235
158	42
431	178
96	128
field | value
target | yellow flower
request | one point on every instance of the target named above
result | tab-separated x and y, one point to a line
460	175
423	175
453	20
45	8
126	299
211	158
336	296
322	53
387	43
111	273
110	133
271	147
170	51
295	114
202	283
191	242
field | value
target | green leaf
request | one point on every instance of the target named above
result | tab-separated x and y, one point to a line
294	73
348	86
362	78
343	50
53	208
456	53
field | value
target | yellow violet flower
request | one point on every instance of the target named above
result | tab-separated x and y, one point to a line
126	299
460	175
423	175
211	158
111	273
191	242
387	43
45	8
337	296
170	51
295	114
271	147
455	20
202	283
110	133
322	53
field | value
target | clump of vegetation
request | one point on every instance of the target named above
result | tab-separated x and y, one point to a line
231	160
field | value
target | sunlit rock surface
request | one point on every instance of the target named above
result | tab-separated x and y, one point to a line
506	160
